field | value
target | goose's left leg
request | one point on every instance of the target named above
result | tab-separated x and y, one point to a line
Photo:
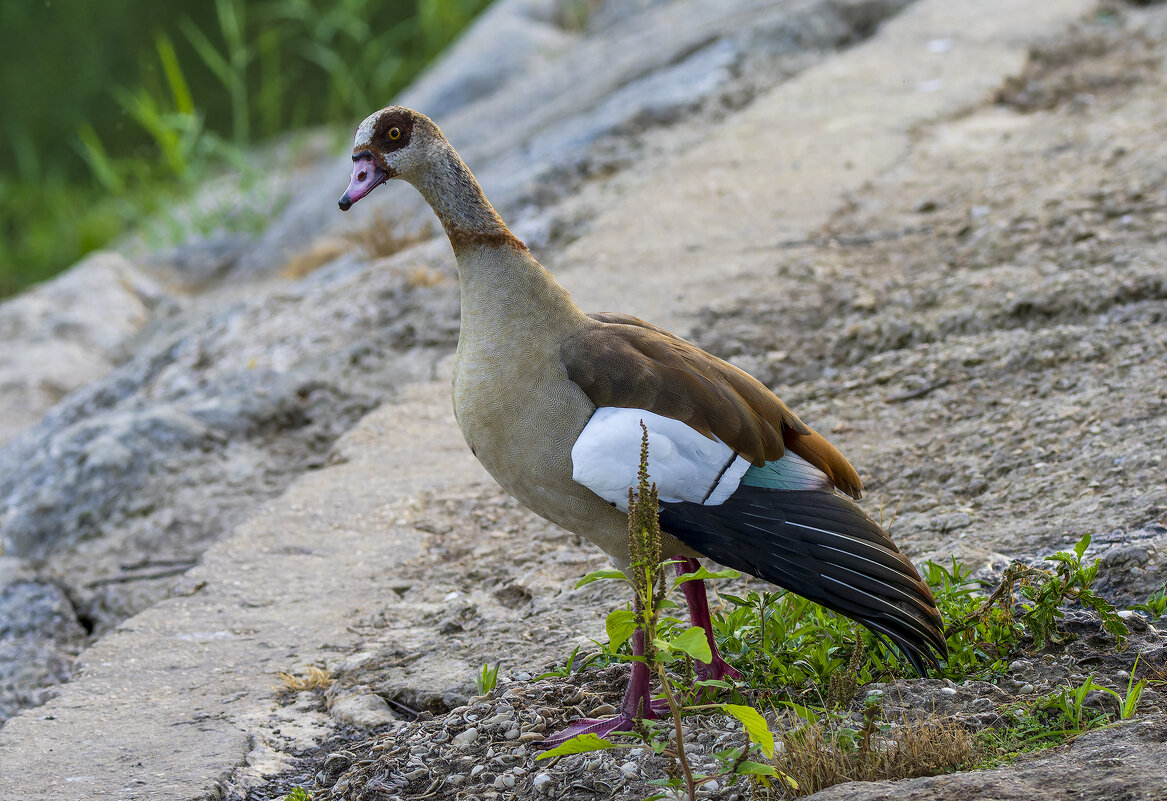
637	704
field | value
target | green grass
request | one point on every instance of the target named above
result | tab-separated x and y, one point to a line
45	229
808	665
207	92
486	679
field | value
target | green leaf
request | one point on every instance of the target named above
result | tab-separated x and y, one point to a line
179	90
207	51
756	727
694	643
1082	545
600	575
755	769
620	625
664	650
580	744
704	573
94	153
804	712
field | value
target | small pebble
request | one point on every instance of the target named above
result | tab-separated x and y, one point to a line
513	734
1025	689
948	690
629	769
466	738
542	782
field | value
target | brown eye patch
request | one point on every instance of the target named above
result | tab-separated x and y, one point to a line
392	131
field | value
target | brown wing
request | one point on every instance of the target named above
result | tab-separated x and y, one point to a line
625	362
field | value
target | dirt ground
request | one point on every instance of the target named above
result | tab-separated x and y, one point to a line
982	330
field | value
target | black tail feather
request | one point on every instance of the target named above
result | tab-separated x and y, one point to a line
823	547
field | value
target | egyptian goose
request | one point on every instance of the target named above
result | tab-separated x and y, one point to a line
551	401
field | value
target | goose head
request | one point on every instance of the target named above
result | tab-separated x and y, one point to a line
395	142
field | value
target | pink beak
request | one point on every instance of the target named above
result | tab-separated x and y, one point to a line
367	176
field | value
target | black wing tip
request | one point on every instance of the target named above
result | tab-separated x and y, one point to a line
756	532
925	658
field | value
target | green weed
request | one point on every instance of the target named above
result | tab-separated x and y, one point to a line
1156	604
198	92
575	663
1028	603
811	663
486	679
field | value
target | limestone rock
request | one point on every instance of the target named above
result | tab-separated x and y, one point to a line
39	636
363	710
68	332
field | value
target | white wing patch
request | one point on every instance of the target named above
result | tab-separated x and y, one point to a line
686	465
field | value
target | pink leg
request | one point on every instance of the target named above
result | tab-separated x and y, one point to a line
698	601
638	701
637	704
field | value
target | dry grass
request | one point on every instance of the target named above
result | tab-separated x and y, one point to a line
385	236
319	253
317	679
382	237
816	758
425	277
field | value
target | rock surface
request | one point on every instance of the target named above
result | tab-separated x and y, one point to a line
69	332
933	232
1124	763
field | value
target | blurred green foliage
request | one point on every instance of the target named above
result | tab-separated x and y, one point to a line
114	108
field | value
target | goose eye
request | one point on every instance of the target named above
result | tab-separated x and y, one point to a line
394	133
